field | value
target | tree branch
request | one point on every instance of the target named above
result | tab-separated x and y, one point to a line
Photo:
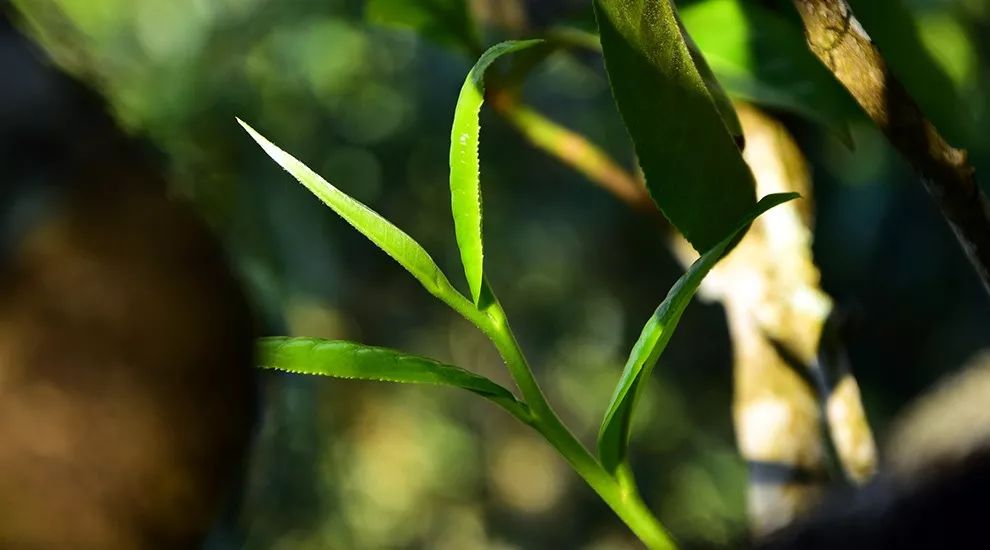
836	37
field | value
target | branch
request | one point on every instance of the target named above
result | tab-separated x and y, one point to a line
836	37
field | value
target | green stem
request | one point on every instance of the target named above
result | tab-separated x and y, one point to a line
618	492
622	498
490	319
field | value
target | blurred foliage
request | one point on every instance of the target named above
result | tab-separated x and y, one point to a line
446	22
358	465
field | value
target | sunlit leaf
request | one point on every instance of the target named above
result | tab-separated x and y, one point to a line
760	56
693	168
613	438
465	175
397	244
446	22
341	359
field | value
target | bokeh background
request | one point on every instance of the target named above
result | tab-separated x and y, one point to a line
341	464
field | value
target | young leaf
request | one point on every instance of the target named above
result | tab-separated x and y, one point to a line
613	438
760	56
341	359
400	246
465	175
446	22
693	168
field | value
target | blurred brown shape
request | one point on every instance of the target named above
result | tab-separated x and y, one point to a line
126	388
946	425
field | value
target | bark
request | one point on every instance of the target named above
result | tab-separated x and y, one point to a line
837	38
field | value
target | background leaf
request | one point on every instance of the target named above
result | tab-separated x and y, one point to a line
397	244
613	438
341	359
465	173
446	22
760	56
693	169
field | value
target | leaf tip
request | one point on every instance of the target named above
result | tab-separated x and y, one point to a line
475	291
283	159
775	199
251	132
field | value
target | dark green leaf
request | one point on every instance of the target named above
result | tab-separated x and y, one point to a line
465	175
446	22
341	359
721	99
397	244
760	56
693	169
613	438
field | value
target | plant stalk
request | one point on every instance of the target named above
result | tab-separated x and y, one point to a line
623	499
619	493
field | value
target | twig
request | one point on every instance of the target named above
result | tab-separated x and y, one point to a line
574	150
837	38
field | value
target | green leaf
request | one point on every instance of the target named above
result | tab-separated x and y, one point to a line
445	22
693	168
613	438
341	359
721	99
465	174
400	246
761	56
